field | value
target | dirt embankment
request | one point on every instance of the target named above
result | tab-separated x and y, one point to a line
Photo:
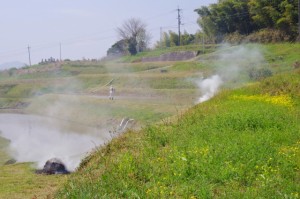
173	56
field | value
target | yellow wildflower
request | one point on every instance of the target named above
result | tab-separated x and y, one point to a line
283	100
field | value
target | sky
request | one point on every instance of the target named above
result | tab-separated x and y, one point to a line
83	28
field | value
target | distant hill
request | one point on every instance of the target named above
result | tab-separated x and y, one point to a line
15	64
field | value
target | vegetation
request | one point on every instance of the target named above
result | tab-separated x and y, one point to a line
246	17
134	38
243	143
171	39
232	21
20	181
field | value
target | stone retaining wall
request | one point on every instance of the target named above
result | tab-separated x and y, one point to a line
173	56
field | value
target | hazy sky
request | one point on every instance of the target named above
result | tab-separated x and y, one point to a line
84	28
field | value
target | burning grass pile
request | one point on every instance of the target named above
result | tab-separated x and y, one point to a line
53	166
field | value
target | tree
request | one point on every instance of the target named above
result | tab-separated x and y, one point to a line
166	40
174	39
133	31
171	39
228	16
187	38
248	16
132	46
117	49
279	14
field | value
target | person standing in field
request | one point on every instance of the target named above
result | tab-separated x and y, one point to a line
111	92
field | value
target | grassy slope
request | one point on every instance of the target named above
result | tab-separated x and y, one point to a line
3	155
123	153
148	96
243	143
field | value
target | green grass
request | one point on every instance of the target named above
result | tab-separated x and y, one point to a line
91	111
282	57
242	144
3	154
26	184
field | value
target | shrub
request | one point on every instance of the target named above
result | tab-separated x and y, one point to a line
257	74
262	36
268	36
234	38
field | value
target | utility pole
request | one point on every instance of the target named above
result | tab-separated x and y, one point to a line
29	55
179	24
203	42
60	52
160	37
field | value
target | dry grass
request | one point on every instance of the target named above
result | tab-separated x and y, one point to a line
26	184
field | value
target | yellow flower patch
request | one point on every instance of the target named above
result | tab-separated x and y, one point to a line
283	100
289	151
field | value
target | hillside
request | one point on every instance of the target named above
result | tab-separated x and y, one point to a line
242	142
49	110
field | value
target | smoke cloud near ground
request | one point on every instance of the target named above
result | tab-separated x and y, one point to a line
36	139
209	87
57	135
231	62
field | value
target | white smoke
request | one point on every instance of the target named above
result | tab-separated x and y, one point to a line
209	87
36	139
231	63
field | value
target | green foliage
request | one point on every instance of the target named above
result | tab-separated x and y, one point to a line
5	88
243	143
117	49
158	51
258	74
245	17
275	14
225	17
12	71
134	33
171	39
132	46
261	36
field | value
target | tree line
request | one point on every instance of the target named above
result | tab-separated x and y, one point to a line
227	20
134	38
246	17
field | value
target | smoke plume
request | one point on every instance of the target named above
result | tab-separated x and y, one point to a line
36	139
209	87
231	65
